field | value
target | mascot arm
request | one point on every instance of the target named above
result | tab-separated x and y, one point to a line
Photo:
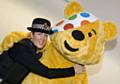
23	55
12	38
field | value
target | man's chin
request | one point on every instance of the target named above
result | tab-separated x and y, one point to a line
40	46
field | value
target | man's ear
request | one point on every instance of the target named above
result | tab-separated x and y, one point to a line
110	31
31	35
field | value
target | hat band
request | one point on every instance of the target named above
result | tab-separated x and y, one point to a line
41	26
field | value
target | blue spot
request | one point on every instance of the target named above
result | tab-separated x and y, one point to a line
55	30
85	15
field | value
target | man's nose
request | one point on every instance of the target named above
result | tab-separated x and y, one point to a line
78	35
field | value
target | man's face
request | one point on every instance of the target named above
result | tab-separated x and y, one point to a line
39	39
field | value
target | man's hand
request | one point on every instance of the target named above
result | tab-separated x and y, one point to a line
79	68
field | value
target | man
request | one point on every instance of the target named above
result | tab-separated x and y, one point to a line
22	58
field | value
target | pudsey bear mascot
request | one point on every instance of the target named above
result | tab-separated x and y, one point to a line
78	38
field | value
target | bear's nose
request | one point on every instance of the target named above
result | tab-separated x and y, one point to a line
78	35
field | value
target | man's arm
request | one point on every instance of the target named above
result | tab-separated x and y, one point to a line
24	56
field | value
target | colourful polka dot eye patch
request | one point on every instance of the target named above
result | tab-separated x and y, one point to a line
75	21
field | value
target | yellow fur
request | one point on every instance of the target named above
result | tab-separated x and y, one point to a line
110	30
12	38
72	8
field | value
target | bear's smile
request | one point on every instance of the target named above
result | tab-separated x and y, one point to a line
67	46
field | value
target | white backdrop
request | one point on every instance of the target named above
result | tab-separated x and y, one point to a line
16	15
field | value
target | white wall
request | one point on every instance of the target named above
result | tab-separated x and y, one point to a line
16	15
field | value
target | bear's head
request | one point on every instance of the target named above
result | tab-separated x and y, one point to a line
80	36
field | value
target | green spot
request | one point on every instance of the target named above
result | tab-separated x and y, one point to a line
72	17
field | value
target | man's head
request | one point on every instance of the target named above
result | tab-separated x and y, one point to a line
40	30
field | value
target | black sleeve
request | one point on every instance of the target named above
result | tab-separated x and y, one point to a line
23	55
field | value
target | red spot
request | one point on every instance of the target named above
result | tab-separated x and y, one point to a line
84	22
68	26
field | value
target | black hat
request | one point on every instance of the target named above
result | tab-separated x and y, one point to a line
41	25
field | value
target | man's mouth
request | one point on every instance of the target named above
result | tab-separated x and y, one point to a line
67	46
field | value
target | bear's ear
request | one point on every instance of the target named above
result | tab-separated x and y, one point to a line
72	8
110	31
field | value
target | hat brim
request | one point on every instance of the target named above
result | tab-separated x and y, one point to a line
39	30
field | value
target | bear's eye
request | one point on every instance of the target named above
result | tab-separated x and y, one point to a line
68	26
91	33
